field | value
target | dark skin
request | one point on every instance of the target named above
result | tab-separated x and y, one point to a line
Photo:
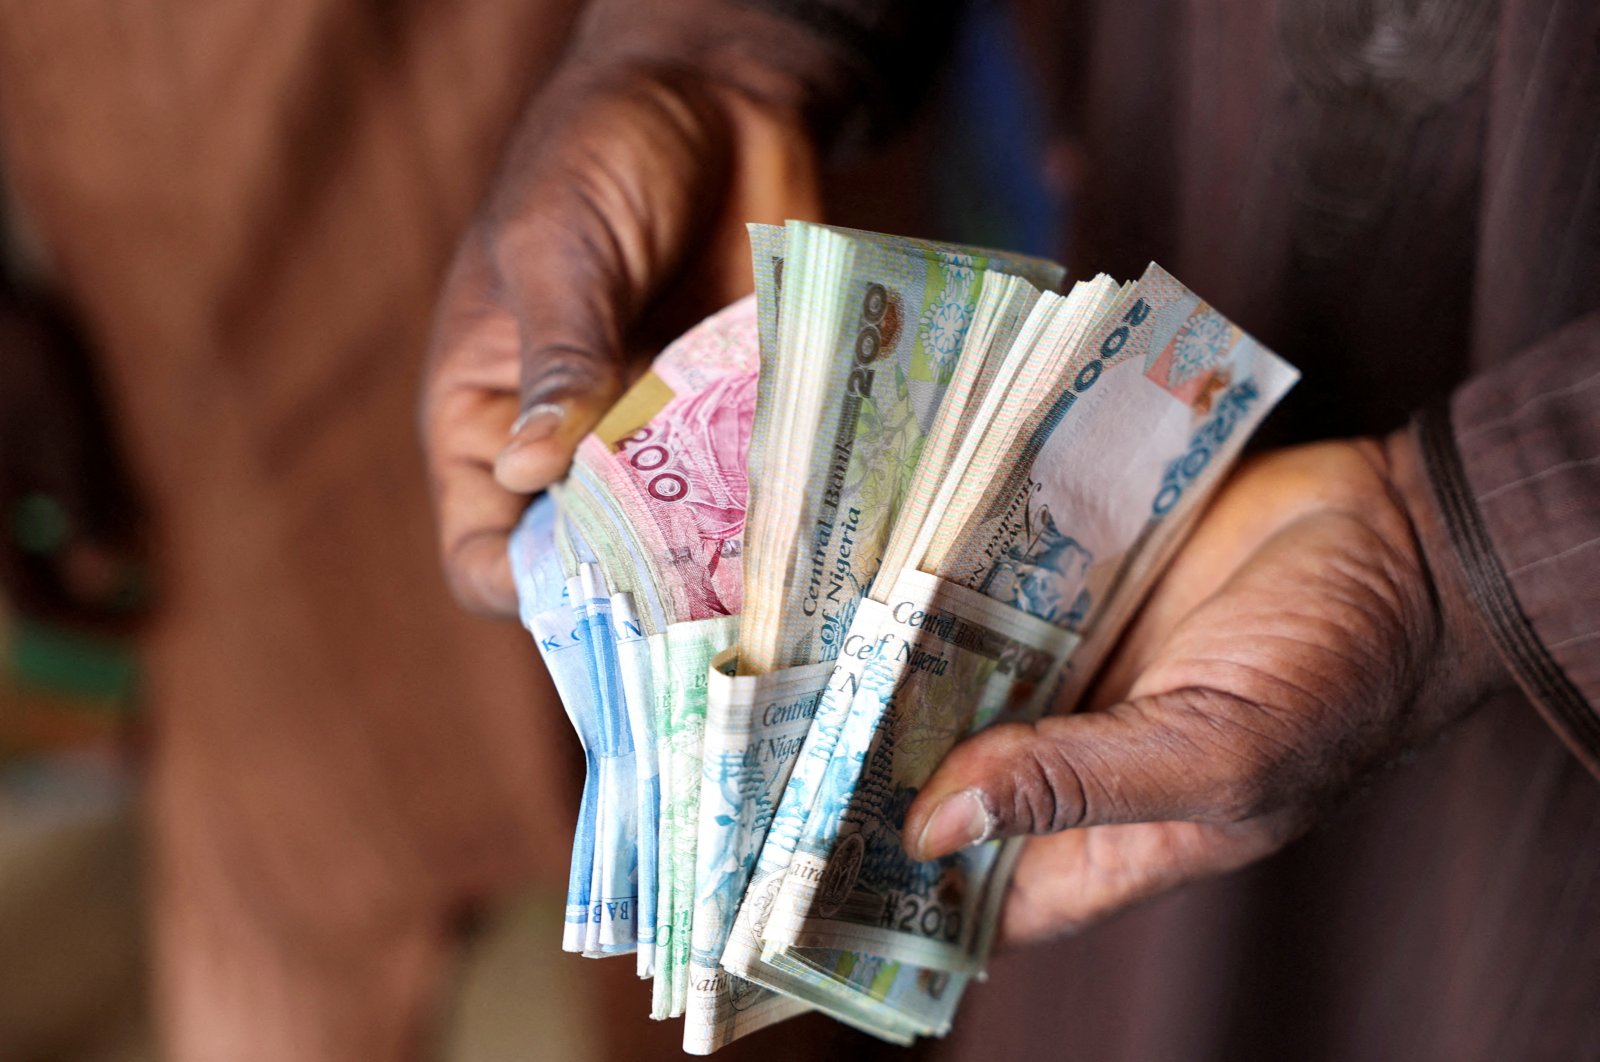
617	222
1307	634
1310	631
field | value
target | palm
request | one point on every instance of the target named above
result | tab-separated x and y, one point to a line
1267	655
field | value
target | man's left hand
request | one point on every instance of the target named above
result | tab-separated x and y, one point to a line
1305	635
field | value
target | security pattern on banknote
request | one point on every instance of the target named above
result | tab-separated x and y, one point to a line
904	492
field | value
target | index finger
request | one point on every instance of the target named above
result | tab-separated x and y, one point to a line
468	408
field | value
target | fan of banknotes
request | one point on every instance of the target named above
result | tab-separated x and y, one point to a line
903	492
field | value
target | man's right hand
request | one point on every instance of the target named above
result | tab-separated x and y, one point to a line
616	222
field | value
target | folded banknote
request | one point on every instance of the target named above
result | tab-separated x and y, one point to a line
905	492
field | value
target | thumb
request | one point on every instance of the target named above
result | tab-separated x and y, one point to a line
570	351
562	398
1186	755
616	189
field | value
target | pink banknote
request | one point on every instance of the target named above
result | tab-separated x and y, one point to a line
671	453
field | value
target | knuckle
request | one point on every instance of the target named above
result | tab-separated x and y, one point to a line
466	563
558	369
574	358
567	221
1052	791
464	597
1243	794
462	589
1240	738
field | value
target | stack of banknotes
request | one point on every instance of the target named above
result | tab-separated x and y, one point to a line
904	492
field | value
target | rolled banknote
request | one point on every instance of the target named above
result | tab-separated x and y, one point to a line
997	318
687	651
633	657
754	729
921	497
670	458
940	662
548	615
890	999
614	900
1102	491
871	329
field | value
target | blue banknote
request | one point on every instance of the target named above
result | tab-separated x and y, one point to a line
633	657
615	896
547	613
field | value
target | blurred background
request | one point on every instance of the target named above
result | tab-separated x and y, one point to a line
219	242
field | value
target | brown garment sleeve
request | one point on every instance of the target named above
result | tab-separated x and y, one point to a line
1514	459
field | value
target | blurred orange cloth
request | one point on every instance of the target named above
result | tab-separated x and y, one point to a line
252	205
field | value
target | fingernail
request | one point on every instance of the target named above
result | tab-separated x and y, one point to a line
537	422
957	822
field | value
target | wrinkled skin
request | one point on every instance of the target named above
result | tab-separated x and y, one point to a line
617	222
1299	641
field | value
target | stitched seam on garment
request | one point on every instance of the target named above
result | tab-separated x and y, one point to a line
1543	473
1505	419
1535	669
1588	543
1576	639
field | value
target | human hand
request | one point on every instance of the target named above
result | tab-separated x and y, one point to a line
1309	631
616	222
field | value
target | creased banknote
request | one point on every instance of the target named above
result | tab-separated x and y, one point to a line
755	726
1100	490
904	493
